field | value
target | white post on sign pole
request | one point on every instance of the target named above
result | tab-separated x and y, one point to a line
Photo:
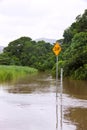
61	91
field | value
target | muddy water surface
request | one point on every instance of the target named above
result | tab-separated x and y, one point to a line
30	104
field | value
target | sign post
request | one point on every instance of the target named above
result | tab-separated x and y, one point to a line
56	50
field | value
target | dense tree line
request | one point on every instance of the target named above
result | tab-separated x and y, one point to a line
80	25
73	57
26	52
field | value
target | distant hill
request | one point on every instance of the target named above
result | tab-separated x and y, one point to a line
46	40
1	49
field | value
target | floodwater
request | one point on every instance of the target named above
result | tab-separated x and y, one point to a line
33	104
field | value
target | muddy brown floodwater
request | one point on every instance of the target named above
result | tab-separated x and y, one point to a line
31	104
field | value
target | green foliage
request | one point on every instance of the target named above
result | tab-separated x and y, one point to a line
26	52
4	59
68	35
76	55
10	73
80	73
73	57
60	65
80	25
74	49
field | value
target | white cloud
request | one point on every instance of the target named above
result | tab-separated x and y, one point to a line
37	18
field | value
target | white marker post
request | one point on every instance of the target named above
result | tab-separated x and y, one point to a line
61	91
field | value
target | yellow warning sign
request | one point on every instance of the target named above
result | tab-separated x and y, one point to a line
56	48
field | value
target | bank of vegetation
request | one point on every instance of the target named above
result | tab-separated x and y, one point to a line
11	73
73	57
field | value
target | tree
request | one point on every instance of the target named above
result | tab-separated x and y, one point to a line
76	54
24	51
80	25
73	57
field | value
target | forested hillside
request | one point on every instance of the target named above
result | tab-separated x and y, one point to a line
73	57
26	52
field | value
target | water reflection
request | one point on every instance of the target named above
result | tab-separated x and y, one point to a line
76	89
40	83
78	117
75	106
32	103
59	103
59	112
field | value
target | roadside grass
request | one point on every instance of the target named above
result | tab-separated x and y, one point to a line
10	73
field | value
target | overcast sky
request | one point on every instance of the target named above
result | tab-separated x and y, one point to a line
37	18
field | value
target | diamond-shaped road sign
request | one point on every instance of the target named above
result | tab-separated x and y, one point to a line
56	48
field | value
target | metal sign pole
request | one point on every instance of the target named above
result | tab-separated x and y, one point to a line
56	50
56	92
56	76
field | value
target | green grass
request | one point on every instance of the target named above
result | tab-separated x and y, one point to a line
10	73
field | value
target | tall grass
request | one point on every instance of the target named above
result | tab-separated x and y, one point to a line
9	73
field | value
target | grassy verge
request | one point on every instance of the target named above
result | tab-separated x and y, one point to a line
9	73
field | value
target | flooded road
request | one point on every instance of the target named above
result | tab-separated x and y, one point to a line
31	104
